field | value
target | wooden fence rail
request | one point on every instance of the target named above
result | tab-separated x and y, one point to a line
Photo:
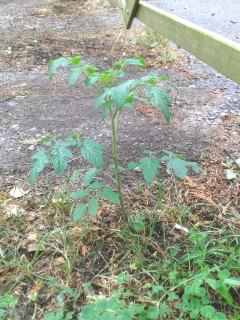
215	50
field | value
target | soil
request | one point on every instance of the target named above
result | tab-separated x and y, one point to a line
205	105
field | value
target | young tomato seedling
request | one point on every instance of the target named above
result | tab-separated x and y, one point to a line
115	94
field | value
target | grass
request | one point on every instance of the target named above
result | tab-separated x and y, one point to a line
176	258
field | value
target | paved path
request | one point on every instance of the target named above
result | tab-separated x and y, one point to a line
221	16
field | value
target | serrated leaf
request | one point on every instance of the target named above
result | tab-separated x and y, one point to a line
93	206
179	167
91	80
39	162
54	65
129	61
90	176
79	212
160	100
149	167
133	165
75	60
78	194
122	94
96	185
74	75
108	194
119	96
92	152
60	156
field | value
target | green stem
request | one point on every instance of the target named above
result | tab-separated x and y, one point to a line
114	122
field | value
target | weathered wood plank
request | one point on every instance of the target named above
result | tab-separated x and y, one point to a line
220	53
129	11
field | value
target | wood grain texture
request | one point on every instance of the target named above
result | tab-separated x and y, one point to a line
218	52
129	12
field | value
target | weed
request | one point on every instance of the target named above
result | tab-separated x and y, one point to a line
7	306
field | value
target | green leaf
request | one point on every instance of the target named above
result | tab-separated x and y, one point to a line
152	313
60	156
139	62
122	95
212	283
54	65
160	100
73	140
91	80
7	301
78	194
133	165
39	163
74	75
92	75
149	167
75	60
137	223
92	152
79	212
93	206
108	194
164	310
232	282
119	96
179	167
95	186
207	312
55	315
90	176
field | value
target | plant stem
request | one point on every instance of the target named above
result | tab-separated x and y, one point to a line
114	122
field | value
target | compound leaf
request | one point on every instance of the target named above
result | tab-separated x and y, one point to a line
121	64
79	212
78	194
74	75
122	94
39	163
149	167
108	194
60	156
55	315
179	167
54	65
160	100
75	60
93	206
92	152
90	176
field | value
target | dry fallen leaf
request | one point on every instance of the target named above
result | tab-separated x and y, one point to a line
59	261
